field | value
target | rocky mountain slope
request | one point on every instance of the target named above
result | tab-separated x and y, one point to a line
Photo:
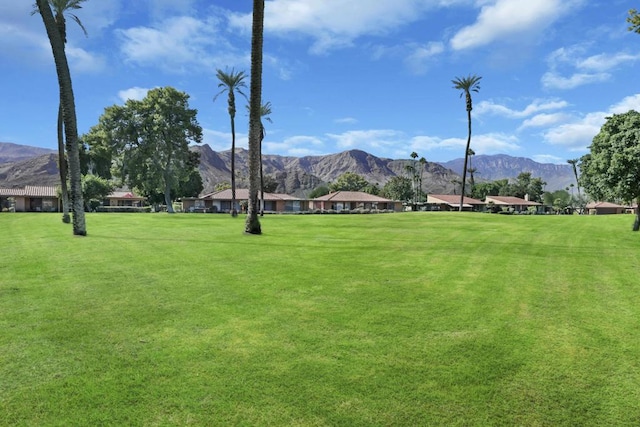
15	152
299	175
500	166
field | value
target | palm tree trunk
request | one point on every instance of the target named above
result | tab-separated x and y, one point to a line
261	178
636	224
234	211
62	166
252	225
466	158
69	114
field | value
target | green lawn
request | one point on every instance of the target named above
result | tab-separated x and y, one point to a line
442	319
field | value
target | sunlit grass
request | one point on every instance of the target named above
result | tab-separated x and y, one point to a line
394	319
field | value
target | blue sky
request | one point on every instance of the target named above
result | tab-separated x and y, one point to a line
343	74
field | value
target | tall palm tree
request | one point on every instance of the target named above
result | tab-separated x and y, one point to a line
60	8
265	112
252	225
69	115
423	163
467	85
232	82
574	163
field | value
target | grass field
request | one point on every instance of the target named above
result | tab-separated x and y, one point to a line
441	319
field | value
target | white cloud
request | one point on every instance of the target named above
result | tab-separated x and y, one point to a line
346	120
179	44
580	70
221	141
418	60
544	120
489	143
337	23
502	19
553	80
83	61
489	107
366	139
135	93
300	145
577	135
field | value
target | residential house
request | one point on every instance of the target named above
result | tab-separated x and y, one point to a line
513	204
124	198
30	199
220	201
604	208
350	200
451	202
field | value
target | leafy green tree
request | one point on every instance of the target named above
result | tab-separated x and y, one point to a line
94	190
484	189
467	85
149	143
60	9
559	199
319	191
349	181
256	129
525	185
69	115
269	184
612	170
634	20
232	82
398	188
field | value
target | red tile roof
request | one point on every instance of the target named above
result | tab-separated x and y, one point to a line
595	205
352	196
30	191
453	200
509	200
243	194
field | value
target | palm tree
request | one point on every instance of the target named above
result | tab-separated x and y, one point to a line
423	163
256	130
60	8
232	82
467	85
265	112
69	114
573	163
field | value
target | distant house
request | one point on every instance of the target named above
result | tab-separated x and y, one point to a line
45	199
604	208
451	202
349	200
124	198
220	201
29	199
514	204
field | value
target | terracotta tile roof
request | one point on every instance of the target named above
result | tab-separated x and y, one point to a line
124	195
352	196
509	200
11	192
595	205
453	200
243	194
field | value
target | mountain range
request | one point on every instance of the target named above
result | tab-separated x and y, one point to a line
22	165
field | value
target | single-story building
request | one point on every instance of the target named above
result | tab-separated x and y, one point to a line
604	208
31	198
451	202
220	201
349	200
46	199
515	204
124	198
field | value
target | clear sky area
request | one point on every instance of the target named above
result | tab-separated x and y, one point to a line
373	75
